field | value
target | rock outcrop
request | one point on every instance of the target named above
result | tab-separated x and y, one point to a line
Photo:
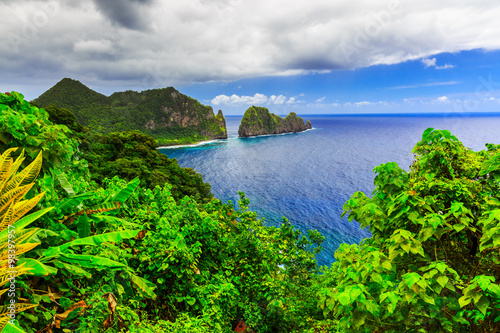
259	121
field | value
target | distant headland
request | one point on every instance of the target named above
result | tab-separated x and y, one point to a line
259	121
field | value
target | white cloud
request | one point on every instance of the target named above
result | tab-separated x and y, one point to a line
257	99
442	99
146	43
446	66
429	62
276	99
432	63
363	103
320	100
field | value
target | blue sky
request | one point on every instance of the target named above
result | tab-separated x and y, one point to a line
310	57
467	81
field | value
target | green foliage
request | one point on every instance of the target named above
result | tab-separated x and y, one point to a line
432	263
258	121
22	125
221	265
133	154
169	116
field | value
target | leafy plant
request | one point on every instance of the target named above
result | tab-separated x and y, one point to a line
15	239
432	263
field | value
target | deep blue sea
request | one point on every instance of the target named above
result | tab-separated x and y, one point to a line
308	176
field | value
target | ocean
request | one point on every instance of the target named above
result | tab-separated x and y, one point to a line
308	176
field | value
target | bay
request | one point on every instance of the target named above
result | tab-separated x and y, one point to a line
307	177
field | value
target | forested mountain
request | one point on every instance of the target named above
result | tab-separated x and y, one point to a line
259	121
166	114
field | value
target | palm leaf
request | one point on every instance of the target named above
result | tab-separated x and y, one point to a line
72	202
104	207
83	226
91	261
125	193
144	285
92	240
36	267
73	269
61	177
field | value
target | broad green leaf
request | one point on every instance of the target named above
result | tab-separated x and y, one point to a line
73	269
442	280
73	202
91	261
37	268
458	227
125	193
144	285
344	298
92	240
65	184
83	226
411	279
26	220
9	328
483	304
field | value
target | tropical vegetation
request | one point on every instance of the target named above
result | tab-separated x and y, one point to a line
111	237
169	116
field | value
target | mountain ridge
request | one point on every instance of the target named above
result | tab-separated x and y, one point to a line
169	116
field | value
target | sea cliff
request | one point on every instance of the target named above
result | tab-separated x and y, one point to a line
169	116
259	121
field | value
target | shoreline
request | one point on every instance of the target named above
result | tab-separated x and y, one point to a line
201	143
262	135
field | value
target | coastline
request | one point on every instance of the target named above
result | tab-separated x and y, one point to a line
201	143
262	135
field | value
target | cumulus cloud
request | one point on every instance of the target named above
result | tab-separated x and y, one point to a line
320	100
432	63
257	99
442	99
160	43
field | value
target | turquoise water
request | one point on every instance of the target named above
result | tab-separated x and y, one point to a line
308	176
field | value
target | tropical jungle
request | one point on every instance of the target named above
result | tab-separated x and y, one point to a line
102	233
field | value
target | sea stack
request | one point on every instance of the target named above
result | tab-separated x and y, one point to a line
259	121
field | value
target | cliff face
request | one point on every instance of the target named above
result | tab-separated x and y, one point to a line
259	121
166	114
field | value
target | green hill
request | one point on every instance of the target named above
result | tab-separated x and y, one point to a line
166	114
259	121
